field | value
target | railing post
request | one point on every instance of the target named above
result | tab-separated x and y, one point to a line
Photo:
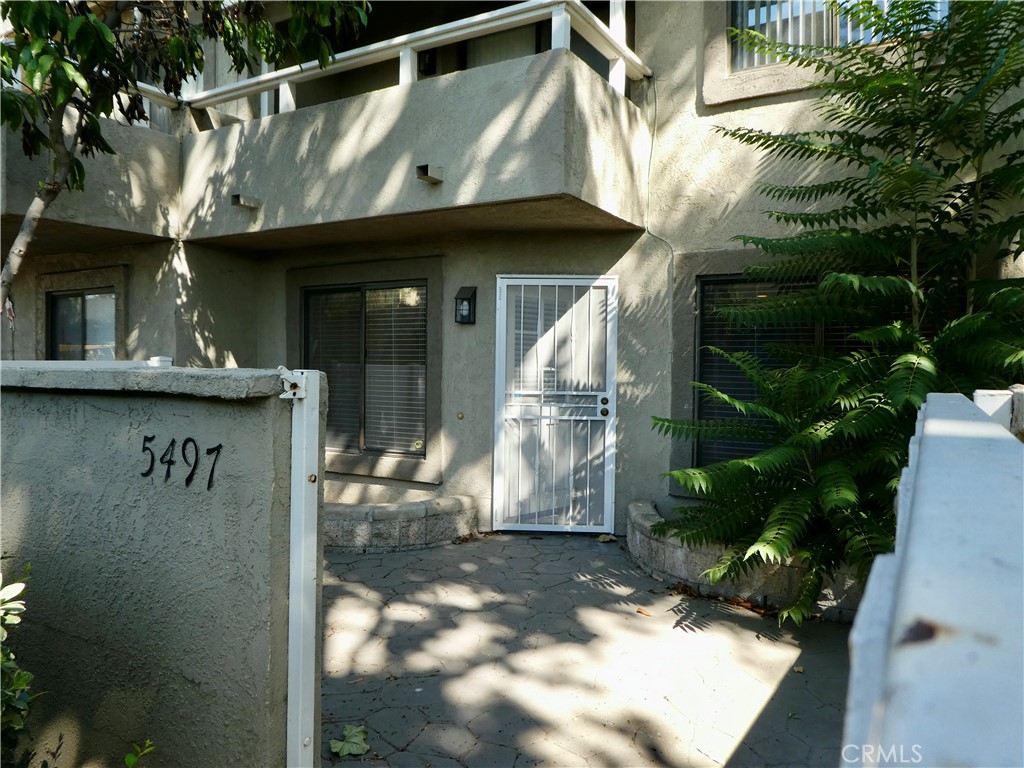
617	26
266	106
407	65
561	28
286	97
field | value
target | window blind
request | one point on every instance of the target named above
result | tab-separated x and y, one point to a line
720	373
800	22
372	344
396	369
334	345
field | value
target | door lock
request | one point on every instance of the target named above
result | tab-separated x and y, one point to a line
604	401
604	411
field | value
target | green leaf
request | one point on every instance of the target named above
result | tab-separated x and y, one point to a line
75	76
73	26
911	378
836	485
353	742
131	759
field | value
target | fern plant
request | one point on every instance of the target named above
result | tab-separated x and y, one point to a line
923	197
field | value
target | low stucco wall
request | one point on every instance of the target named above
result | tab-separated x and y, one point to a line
158	603
772	586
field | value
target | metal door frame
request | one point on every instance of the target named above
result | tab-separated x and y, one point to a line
498	490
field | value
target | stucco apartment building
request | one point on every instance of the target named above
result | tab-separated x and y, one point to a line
498	227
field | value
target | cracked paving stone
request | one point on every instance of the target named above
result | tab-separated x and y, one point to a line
551	602
486	755
397	726
414	760
447	739
781	749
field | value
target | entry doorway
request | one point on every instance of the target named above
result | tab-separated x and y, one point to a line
555	388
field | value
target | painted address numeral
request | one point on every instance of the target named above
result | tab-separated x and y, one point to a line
189	455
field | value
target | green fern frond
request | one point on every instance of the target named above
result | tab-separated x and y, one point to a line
835	217
895	334
911	378
745	407
871	417
805	600
882	285
838	146
730	565
710	429
835	242
708	524
796	270
1003	355
783	529
752	368
836	486
772	460
961	329
849	187
792	309
1003	297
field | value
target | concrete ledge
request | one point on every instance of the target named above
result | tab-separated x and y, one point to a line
769	586
138	376
398	527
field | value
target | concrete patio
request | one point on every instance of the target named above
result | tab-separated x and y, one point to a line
554	650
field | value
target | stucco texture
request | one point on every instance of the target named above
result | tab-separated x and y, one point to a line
155	610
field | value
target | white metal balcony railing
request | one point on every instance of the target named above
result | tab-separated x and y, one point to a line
566	16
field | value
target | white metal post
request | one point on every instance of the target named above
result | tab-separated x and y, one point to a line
286	97
617	26
303	389
265	105
561	27
407	65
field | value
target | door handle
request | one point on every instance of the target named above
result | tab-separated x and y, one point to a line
604	411
604	401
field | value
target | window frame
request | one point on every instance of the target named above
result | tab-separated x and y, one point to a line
700	342
427	468
107	280
722	84
362	290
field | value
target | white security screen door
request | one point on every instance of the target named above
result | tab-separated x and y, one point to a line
554	426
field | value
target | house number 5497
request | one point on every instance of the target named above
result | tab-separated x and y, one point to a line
189	455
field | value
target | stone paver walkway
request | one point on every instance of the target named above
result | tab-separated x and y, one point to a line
518	650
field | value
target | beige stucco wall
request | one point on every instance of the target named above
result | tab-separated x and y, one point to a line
467	357
183	301
134	191
157	608
531	127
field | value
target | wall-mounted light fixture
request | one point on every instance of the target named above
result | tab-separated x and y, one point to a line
465	305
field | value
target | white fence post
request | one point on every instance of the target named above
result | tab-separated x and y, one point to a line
303	389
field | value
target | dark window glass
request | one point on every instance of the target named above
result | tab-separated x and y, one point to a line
371	341
81	325
715	370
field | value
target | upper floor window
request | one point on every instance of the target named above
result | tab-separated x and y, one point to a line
799	22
